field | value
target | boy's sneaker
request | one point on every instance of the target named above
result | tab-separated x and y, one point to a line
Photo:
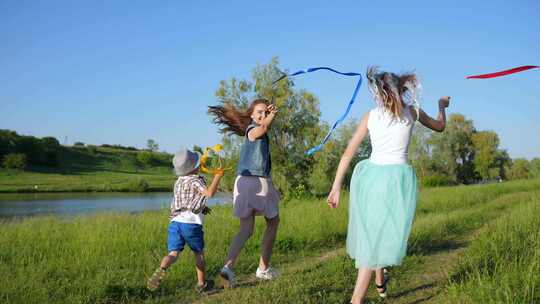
268	274
156	278
228	279
208	286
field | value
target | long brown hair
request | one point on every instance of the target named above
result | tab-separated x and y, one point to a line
232	119
389	89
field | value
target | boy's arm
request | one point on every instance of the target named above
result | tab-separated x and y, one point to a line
211	190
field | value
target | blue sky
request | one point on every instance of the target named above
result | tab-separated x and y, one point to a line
121	72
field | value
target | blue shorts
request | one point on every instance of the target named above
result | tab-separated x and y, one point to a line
182	233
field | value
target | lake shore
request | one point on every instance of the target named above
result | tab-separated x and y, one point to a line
14	181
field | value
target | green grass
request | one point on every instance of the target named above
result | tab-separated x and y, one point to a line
106	258
91	170
100	181
503	264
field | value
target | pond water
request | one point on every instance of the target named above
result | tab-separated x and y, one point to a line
65	204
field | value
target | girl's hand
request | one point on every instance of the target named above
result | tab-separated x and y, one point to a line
272	109
333	198
444	102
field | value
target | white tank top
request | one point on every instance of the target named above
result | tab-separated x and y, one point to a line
389	136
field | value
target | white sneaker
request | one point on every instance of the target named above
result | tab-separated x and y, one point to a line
268	274
228	279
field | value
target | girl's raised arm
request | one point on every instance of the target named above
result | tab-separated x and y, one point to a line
260	130
435	124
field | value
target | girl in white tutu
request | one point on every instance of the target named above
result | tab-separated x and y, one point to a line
383	188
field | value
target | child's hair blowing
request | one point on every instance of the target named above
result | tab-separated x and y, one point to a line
391	90
232	119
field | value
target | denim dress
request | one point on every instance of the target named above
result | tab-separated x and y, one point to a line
254	192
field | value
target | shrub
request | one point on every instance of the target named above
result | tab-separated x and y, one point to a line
138	185
92	149
78	144
437	181
50	142
145	157
119	147
14	161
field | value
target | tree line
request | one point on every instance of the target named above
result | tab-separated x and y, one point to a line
461	154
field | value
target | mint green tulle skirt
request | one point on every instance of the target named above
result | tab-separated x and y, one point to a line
381	211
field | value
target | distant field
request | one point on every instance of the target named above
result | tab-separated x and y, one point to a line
92	169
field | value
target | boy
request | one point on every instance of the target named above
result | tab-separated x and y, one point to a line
188	209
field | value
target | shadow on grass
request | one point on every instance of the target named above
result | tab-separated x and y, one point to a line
430	247
412	290
249	283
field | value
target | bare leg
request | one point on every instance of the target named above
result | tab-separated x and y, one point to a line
379	276
169	259
362	283
200	265
246	230
155	280
268	242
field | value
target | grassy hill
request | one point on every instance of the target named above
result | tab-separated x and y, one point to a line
92	168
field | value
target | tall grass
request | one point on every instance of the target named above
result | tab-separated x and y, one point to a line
445	199
503	264
440	230
106	258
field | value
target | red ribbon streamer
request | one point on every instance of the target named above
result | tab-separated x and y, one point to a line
505	72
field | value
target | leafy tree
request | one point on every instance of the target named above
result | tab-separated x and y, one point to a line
295	129
486	144
502	161
453	150
8	141
152	145
420	151
327	160
535	167
521	168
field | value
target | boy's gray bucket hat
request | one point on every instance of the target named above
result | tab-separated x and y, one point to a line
185	161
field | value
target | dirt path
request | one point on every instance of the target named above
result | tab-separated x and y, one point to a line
422	285
429	280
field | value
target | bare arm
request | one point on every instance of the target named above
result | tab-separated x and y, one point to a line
354	143
211	190
260	130
436	124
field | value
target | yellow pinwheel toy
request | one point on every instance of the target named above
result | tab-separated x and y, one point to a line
211	160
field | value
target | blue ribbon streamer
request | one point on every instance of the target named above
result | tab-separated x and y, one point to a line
344	115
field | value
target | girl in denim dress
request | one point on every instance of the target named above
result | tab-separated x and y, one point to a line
254	192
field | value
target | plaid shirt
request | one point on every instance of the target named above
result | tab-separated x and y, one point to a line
188	195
